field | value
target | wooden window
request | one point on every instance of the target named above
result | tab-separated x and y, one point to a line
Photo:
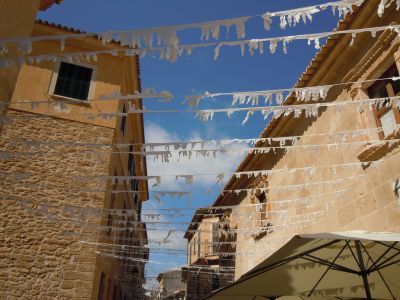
139	210
215	238
100	296
387	115
132	172
197	245
73	81
110	216
115	293
108	289
215	280
123	120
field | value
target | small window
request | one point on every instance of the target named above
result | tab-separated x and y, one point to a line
215	238
73	81
136	200
197	245
139	210
215	280
131	167
265	212
396	188
387	116
123	120
263	220
110	216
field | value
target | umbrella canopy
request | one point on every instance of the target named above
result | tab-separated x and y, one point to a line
341	265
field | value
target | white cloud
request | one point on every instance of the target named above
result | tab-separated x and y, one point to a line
155	133
222	163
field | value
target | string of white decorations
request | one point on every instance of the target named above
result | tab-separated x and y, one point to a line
153	216
165	156
189	177
123	220
188	145
158	215
278	216
211	152
303	94
167	35
300	221
172	53
234	191
282	218
150	93
274	111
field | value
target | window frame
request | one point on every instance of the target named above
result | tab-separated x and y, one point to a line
113	200
215	238
54	78
102	286
263	219
124	120
381	111
134	183
265	216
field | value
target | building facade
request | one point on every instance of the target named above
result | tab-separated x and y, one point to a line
170	286
337	171
211	258
70	227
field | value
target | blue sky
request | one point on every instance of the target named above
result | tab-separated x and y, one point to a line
196	74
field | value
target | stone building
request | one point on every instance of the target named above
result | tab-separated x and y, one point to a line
170	286
340	170
70	225
210	255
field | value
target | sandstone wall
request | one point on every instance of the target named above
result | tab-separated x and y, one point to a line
40	256
339	193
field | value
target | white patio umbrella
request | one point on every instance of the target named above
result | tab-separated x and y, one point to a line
344	265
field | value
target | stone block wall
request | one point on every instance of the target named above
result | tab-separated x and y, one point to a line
201	281
44	208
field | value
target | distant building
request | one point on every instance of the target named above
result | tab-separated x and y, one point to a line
353	187
211	258
170	286
66	230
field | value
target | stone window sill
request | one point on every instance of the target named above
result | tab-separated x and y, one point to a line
70	100
375	152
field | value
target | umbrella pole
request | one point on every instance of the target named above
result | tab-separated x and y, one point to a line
363	272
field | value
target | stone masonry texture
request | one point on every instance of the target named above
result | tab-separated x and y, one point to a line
40	253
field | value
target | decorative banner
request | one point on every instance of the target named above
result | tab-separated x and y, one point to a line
172	52
167	35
